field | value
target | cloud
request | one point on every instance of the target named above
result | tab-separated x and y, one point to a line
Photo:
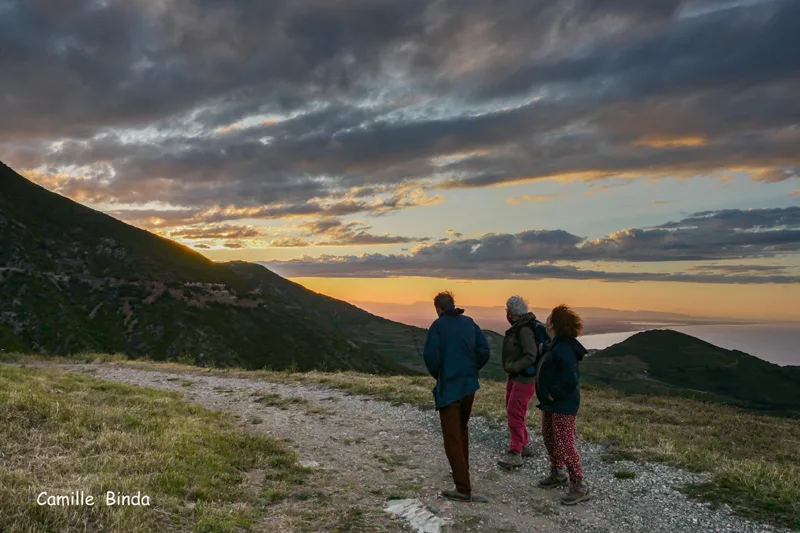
292	242
776	175
201	246
300	108
705	236
355	233
233	245
738	269
794	193
215	232
659	202
454	234
516	200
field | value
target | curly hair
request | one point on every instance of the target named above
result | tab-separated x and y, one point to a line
444	300
565	322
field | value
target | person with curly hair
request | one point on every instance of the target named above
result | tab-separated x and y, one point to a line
559	394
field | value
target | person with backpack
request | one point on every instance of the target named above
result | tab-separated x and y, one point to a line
522	346
559	394
455	351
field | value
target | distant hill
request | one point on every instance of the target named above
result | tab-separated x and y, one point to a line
73	279
668	362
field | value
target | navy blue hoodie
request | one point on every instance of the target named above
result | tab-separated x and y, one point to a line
557	378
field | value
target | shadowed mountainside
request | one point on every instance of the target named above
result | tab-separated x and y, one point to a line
665	362
73	279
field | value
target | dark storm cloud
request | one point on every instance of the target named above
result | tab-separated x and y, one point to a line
284	106
707	236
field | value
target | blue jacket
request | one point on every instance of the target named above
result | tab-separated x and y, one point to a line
557	378
455	351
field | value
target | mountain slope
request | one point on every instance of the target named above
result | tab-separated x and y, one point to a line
400	342
73	279
669	362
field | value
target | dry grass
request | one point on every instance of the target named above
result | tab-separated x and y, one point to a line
61	433
754	459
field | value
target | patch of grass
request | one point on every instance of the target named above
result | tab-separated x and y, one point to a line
624	474
351	521
469	520
727	442
187	383
64	432
541	507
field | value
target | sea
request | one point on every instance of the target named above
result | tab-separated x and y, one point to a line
776	343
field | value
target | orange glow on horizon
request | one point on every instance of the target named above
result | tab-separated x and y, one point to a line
724	301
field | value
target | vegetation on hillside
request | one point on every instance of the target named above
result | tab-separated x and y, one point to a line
665	362
399	342
73	279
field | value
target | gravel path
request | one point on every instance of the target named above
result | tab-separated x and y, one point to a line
384	452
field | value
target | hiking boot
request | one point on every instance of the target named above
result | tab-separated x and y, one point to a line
527	450
557	478
577	492
461	497
511	460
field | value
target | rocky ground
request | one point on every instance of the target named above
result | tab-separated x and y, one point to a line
382	452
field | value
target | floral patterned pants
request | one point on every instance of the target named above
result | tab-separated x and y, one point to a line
558	432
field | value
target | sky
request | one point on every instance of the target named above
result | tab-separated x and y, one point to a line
612	153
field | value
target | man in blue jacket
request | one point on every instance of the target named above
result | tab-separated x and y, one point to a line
455	351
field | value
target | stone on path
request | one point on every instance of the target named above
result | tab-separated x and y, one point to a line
417	515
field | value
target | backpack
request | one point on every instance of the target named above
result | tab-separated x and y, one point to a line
541	338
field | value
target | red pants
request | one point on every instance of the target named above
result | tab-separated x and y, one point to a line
558	432
454	418
518	396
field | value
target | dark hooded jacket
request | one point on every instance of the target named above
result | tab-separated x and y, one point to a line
557	378
455	351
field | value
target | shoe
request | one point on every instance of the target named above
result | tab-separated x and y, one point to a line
527	450
461	497
557	478
577	492
511	460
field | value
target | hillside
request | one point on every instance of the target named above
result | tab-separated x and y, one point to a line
400	342
665	362
73	279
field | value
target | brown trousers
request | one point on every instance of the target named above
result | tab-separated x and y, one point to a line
454	418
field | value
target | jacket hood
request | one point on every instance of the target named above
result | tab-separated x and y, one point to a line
524	319
575	345
453	312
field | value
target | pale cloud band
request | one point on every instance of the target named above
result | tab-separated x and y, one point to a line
703	237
